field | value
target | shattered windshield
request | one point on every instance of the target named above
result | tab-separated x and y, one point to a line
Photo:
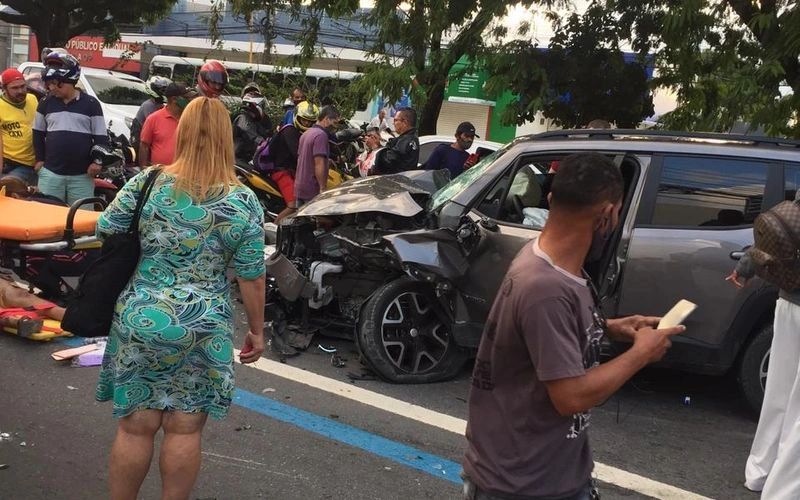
464	180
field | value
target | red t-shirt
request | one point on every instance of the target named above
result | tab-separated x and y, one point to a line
160	132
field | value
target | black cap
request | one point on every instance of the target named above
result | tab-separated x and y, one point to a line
175	90
466	128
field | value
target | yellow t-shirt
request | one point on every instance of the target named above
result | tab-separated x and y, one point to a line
16	127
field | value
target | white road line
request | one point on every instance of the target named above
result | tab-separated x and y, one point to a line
602	472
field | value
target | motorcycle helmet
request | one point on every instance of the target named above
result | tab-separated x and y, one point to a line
251	88
107	157
255	105
61	67
212	79
47	51
305	115
156	85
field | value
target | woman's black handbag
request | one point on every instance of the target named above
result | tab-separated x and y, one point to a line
91	309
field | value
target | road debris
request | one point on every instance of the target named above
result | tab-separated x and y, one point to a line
268	389
71	388
245	427
338	361
329	350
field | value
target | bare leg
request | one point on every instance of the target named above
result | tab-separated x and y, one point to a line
180	453
132	453
13	296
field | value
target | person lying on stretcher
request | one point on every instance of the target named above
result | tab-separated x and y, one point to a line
24	311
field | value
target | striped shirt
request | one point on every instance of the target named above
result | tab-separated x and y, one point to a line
64	133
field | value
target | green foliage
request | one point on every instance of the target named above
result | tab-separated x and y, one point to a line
56	21
407	47
728	61
581	76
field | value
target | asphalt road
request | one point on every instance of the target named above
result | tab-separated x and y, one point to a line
288	440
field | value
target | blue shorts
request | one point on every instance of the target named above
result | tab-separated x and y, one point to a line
22	172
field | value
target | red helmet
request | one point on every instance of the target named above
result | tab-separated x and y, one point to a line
212	79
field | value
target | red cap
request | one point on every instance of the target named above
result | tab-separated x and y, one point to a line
11	75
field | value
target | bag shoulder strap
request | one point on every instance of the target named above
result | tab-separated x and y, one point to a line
143	195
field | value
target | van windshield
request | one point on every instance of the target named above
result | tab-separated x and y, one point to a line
120	91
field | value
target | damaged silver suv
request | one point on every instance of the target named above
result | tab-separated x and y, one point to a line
410	271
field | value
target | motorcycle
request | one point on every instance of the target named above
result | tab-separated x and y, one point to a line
118	162
344	150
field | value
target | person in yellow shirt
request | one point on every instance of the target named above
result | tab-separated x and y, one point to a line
17	111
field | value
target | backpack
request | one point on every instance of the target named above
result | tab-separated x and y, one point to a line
262	159
776	252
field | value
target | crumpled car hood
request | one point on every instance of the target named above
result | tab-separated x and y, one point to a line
392	194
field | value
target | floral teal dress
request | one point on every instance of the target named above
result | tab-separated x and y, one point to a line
171	341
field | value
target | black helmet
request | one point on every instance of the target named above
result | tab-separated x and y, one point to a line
62	67
106	156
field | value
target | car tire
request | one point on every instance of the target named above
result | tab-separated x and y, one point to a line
753	367
405	337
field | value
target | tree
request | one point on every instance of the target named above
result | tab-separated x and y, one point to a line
727	60
409	41
54	22
581	76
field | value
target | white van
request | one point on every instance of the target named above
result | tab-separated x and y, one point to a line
120	94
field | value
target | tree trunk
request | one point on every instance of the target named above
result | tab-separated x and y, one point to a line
429	114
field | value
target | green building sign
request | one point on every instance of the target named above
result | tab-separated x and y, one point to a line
468	87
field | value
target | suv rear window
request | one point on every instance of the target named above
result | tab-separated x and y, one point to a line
708	192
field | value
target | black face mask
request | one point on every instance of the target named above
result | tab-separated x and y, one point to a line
600	239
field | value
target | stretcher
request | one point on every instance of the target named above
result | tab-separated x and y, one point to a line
50	330
34	231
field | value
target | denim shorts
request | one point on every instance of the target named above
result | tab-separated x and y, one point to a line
22	172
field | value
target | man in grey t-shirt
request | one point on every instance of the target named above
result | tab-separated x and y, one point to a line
537	373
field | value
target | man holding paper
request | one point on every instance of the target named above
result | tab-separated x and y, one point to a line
537	373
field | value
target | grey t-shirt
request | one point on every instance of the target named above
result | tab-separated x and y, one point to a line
543	326
147	108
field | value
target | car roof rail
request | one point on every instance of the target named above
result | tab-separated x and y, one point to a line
600	134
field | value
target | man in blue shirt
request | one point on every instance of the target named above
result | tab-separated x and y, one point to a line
453	156
68	124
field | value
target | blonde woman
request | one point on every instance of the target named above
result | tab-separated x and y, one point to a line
169	360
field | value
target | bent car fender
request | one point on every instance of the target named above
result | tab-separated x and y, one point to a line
437	251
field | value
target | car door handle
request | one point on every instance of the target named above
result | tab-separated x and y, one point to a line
737	255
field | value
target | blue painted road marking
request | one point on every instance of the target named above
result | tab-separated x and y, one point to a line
331	429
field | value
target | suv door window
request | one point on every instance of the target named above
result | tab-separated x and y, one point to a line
792	181
520	196
709	192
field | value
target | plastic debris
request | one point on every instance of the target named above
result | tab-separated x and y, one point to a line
687	401
4	436
245	427
338	361
71	388
3	466
329	350
23	443
268	389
